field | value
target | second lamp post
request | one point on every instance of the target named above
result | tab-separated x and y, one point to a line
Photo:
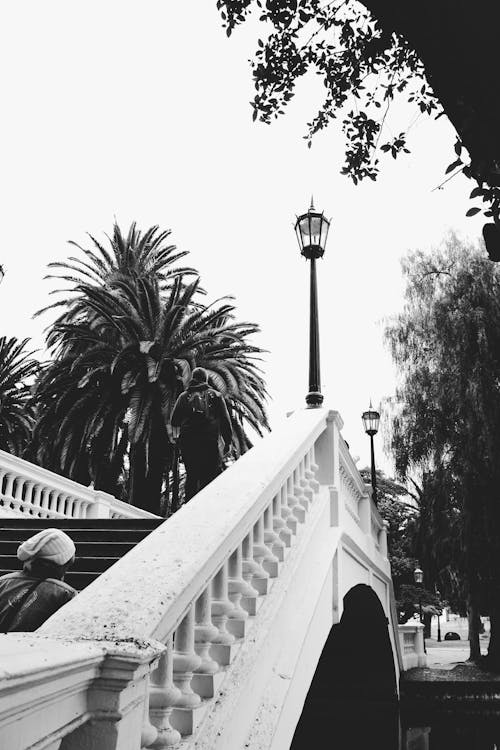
312	231
371	421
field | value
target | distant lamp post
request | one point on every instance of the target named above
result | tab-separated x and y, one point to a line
438	594
371	421
312	230
418	575
2	273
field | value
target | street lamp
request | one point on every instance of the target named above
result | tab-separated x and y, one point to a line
418	575
312	230
438	594
371	421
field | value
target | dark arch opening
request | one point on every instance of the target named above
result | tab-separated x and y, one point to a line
353	695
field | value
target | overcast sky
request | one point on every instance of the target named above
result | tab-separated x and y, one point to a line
140	111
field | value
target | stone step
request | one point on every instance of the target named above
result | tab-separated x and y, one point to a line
85	549
81	523
79	535
81	564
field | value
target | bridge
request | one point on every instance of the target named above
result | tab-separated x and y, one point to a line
215	630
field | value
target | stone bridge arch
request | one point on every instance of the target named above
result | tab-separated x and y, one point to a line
353	693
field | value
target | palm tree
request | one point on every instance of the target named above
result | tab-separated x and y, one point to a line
16	415
119	371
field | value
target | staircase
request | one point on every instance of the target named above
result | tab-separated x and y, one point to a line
99	542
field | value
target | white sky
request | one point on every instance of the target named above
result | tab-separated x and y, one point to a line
140	110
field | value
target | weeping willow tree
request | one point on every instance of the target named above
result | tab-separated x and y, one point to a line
446	344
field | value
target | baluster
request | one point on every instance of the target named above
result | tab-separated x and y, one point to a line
282	530
297	510
237	587
70	506
304	479
162	698
8	486
205	633
298	489
262	552
60	502
313	466
186	660
2	494
148	731
286	512
28	495
271	538
221	606
45	499
250	569
17	499
36	502
260	578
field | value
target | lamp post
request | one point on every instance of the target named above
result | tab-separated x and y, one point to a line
312	230
371	421
2	273
418	575
438	594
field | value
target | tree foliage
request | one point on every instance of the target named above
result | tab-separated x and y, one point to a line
124	348
17	369
366	54
446	344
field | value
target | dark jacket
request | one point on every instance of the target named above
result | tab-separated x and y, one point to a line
217	421
49	595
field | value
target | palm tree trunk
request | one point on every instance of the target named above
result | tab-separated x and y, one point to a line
109	472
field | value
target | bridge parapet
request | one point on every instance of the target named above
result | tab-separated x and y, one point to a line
210	629
29	490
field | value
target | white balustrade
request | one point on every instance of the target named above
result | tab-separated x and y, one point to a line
199	583
29	490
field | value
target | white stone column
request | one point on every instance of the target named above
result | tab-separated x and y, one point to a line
293	503
205	633
261	552
286	512
149	733
249	570
186	660
163	695
283	531
271	538
237	587
298	489
221	607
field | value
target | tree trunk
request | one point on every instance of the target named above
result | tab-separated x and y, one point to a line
146	476
109	471
494	647
473	617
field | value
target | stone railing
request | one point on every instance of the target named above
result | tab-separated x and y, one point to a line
355	499
411	636
29	490
188	621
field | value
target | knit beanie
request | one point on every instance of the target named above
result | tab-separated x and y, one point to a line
49	544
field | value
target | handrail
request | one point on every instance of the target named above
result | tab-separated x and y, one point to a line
30	490
199	538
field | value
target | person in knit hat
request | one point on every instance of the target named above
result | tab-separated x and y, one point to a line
31	596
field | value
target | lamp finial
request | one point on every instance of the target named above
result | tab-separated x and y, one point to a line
311	208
